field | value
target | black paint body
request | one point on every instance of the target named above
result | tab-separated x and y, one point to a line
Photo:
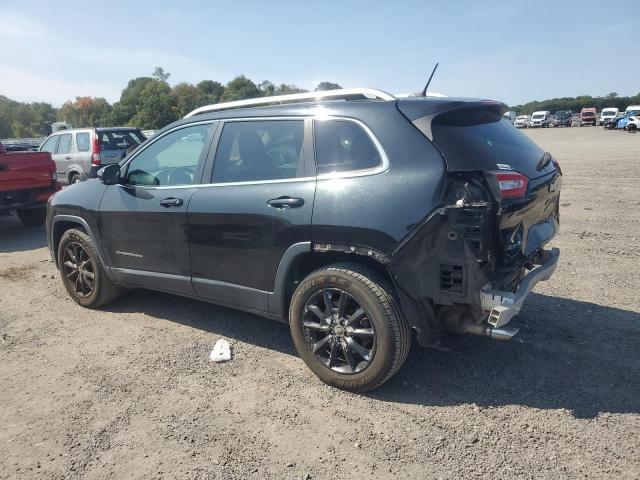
226	244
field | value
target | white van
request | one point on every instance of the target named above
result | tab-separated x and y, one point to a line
632	108
540	119
608	113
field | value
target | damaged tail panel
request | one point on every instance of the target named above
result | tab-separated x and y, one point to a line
498	209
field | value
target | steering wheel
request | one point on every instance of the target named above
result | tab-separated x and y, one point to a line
180	176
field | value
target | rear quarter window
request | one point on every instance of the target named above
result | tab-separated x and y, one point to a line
82	141
343	146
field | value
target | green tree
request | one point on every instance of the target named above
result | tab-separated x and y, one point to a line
267	88
186	97
130	101
157	107
286	89
240	88
327	86
160	75
211	91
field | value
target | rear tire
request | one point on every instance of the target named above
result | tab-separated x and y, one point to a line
82	273
381	330
34	217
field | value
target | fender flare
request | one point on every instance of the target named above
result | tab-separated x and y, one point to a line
277	297
83	223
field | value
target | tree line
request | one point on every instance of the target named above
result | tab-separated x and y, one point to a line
575	104
149	103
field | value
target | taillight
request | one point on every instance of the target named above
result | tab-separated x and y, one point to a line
95	151
510	184
54	176
557	165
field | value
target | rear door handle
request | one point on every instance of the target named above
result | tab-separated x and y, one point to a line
286	202
171	202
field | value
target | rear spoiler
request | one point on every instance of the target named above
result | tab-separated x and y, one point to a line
456	111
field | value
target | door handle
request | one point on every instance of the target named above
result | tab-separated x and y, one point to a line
67	158
286	202
171	202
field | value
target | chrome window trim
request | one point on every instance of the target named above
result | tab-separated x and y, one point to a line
381	168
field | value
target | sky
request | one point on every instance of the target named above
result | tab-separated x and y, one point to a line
513	51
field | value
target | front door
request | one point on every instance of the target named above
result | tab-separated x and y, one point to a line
258	204
143	221
62	157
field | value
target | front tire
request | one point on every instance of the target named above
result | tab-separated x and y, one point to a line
347	327
74	178
33	217
82	273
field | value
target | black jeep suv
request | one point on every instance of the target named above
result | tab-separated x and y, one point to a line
352	215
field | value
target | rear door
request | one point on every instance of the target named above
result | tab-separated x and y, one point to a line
81	154
143	221
258	204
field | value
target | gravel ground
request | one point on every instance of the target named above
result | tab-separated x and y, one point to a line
128	391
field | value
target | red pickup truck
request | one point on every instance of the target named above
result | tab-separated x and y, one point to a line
27	180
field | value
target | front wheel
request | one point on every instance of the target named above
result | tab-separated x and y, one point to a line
347	327
33	217
82	273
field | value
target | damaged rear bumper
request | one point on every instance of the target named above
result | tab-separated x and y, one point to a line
503	306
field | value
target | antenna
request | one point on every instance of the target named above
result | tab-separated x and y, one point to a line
424	90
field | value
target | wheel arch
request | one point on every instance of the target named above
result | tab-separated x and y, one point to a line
302	259
62	223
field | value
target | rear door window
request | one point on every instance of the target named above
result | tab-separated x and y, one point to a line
343	146
65	144
83	141
120	139
250	151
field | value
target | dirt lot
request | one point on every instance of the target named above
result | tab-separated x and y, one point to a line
129	392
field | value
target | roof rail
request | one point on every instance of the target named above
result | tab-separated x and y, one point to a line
342	94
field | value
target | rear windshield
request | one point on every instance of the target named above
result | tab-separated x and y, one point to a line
120	139
486	145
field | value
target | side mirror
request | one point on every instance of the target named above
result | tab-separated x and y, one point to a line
110	175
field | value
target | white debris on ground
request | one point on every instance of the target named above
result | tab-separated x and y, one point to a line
221	351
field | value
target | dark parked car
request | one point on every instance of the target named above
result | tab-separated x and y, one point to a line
355	221
562	118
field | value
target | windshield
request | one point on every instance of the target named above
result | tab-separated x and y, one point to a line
610	113
522	117
588	114
632	112
538	116
563	113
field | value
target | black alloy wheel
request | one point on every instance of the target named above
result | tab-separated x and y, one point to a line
339	331
78	269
